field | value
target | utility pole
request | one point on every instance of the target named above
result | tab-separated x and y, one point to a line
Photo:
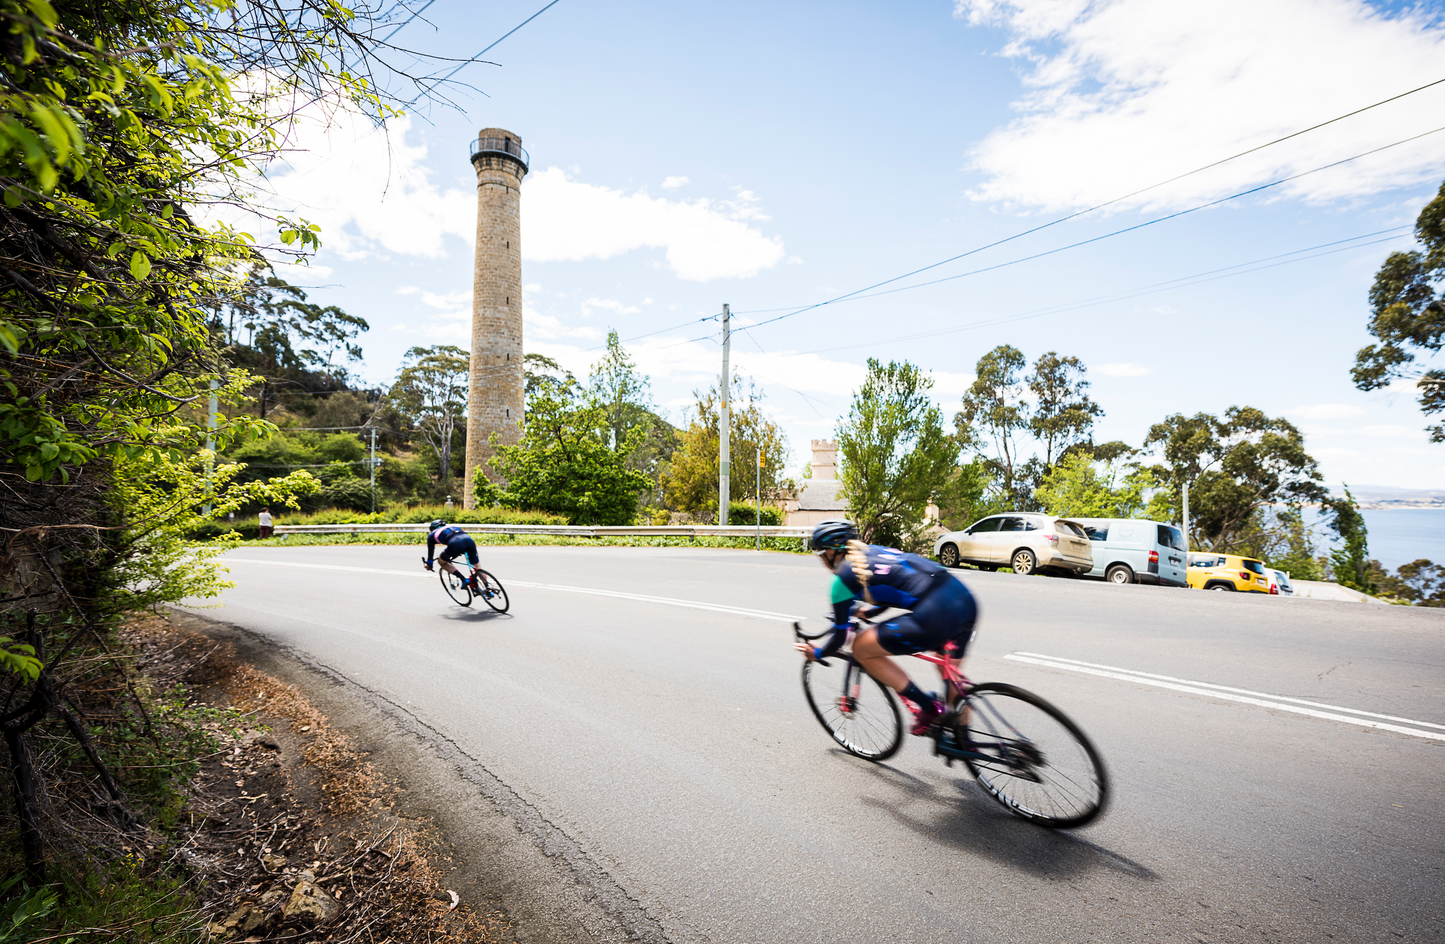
210	445
759	497
1186	524
723	428
373	470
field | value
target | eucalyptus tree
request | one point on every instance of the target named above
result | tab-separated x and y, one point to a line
995	411
1407	304
431	390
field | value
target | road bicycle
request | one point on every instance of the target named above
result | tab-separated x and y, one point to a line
459	586
1024	752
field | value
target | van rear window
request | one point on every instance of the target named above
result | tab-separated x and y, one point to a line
1170	536
1097	534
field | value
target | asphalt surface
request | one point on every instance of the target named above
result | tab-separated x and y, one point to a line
656	763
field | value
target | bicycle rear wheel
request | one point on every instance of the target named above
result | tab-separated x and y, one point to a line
1040	766
860	713
493	593
456	587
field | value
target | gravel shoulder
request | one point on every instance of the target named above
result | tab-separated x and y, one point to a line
334	789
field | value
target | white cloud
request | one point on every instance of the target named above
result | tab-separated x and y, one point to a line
451	301
1125	93
566	220
1123	370
367	187
372	191
672	183
608	304
302	274
407	290
1326	411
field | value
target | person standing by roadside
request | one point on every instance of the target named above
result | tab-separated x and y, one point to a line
265	519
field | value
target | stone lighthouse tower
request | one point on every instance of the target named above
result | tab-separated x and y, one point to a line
494	402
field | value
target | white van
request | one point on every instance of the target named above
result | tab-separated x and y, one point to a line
1133	550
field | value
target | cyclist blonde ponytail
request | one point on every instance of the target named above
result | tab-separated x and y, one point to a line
858	558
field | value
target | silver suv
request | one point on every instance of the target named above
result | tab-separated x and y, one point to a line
1025	541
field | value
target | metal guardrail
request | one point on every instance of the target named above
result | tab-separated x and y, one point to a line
676	530
501	146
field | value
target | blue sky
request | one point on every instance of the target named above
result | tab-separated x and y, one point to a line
775	156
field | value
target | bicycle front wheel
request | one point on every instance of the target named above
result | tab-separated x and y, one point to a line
456	587
860	713
493	593
1036	762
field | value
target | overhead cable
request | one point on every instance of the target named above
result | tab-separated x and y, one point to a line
1085	242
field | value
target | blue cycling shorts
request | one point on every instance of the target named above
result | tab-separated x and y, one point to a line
945	615
459	545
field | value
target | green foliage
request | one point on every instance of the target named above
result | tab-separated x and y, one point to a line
967	494
1063	415
689	480
1408	316
994	409
893	454
745	513
786	545
22	916
564	465
269	327
1286	544
18	658
431	390
1080	487
1351	559
162	498
422	514
1420	582
1234	466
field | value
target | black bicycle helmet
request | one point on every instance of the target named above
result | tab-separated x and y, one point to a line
438	523
832	534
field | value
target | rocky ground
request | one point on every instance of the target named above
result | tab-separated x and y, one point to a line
289	833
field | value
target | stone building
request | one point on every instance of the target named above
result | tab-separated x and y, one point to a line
495	397
818	499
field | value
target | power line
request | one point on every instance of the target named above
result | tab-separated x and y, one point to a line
639	337
1064	219
408	19
1196	279
487	50
1085	242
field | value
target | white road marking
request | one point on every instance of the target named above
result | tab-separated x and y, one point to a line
559	588
1243	696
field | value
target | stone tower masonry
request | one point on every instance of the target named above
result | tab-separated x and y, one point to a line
494	401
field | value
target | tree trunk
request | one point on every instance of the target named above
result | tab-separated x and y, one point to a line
32	844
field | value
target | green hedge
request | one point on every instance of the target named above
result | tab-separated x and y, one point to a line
743	513
250	529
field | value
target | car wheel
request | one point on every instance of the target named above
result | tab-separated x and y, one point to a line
1023	562
948	555
1119	573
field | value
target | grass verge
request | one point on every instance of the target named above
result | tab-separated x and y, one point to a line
783	545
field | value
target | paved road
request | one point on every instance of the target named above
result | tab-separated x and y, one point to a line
669	747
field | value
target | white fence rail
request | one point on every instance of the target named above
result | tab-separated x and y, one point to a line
674	530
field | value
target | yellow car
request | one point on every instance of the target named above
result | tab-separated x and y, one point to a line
1227	572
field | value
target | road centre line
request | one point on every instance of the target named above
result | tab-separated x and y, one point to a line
560	588
1237	691
1242	696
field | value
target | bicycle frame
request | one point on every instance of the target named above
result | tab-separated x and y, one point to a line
944	742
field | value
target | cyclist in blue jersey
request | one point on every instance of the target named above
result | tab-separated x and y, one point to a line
874	579
455	542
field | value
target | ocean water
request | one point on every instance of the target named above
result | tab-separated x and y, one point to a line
1399	535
